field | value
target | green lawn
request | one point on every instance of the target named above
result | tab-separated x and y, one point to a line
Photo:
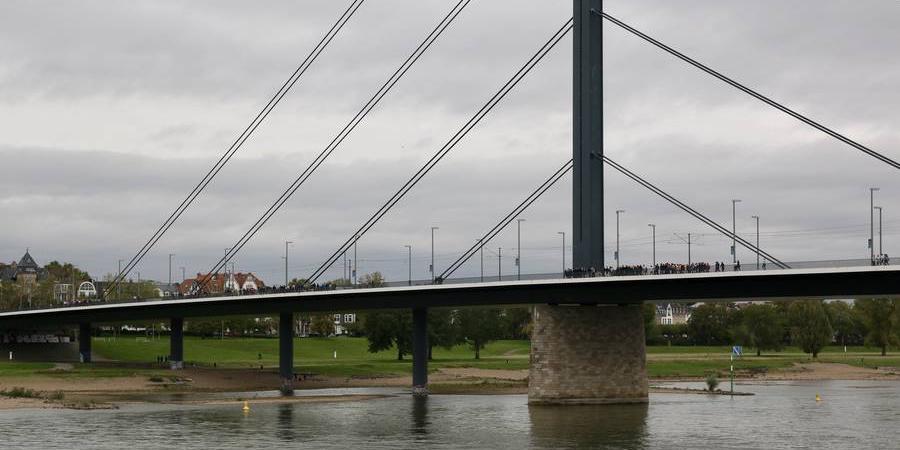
134	356
315	355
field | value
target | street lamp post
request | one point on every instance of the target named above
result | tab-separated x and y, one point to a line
286	243
653	227
689	251
563	234
618	212
409	263
519	248
431	267
757	240
872	223
355	261
119	284
880	242
734	231
499	263
170	268
481	251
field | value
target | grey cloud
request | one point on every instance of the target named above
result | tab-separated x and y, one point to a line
197	71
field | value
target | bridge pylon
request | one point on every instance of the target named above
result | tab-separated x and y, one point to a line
587	354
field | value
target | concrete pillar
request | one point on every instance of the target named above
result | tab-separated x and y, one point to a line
84	342
420	352
286	352
588	355
176	343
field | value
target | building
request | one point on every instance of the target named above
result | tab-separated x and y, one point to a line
673	313
166	290
25	272
342	323
218	283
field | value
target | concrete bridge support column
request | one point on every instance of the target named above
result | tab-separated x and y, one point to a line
84	342
588	355
286	352
176	343
420	352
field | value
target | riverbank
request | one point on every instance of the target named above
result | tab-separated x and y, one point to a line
125	371
195	385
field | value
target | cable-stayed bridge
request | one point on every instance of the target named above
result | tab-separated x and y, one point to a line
593	316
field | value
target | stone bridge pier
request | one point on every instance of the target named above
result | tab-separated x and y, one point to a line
588	355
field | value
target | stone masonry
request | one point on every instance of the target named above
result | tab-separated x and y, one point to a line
588	355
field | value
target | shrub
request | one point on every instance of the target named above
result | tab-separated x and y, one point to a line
20	392
712	382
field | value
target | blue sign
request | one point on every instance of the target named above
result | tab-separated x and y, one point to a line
737	350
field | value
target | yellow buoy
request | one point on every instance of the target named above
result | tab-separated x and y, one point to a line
818	399
246	407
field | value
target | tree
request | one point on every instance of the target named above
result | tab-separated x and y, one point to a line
297	283
443	329
389	329
322	324
882	319
515	323
479	326
372	280
847	322
810	329
709	325
763	327
650	329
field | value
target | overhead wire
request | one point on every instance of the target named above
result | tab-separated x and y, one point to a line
779	106
447	147
684	207
521	207
239	142
439	29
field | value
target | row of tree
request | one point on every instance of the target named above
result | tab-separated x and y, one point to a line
808	324
475	327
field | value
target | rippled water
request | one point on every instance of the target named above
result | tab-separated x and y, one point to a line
781	415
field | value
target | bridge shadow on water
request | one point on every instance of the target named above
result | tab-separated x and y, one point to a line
589	426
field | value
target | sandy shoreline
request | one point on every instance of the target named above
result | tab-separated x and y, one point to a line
194	386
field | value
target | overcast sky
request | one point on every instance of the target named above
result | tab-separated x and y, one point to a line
111	111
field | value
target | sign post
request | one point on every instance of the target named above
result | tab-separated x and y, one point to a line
735	350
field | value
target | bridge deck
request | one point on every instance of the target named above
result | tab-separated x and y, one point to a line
722	286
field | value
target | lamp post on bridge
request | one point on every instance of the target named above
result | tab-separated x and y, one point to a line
409	263
355	261
872	223
563	234
757	240
286	243
734	203
618	213
653	227
431	267
519	248
481	251
499	263
119	284
170	268
880	250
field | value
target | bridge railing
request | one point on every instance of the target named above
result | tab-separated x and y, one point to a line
628	270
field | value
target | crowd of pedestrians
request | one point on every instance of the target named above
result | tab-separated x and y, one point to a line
881	260
659	269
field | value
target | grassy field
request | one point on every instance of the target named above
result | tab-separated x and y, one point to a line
313	355
317	355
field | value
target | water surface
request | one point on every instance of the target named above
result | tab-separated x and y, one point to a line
853	414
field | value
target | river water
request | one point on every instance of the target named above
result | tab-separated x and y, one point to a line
852	414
